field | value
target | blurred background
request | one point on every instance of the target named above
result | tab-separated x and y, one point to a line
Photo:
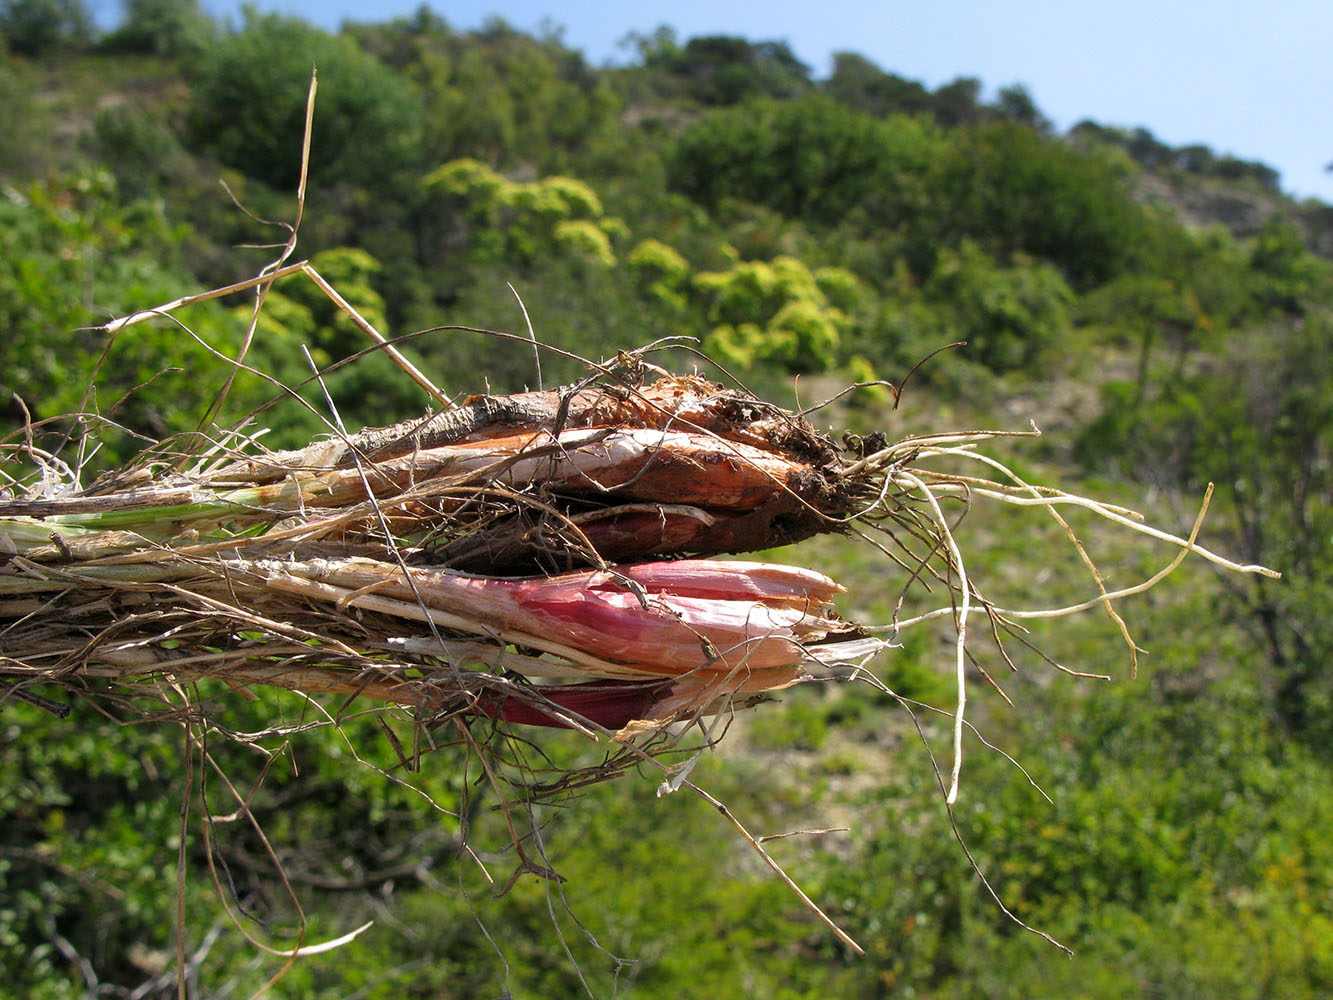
1125	218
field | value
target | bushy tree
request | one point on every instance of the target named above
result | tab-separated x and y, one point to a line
368	389
861	85
1287	278
660	272
45	27
1015	103
1009	316
248	106
958	102
810	159
142	151
1255	420
498	94
170	28
1013	190
720	70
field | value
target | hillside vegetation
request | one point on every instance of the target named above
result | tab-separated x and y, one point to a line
1165	314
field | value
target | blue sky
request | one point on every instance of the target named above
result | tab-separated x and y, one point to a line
1248	79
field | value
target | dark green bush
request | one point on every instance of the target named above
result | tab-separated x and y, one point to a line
248	106
1013	190
811	159
45	27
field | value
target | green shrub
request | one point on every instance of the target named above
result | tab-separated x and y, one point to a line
771	312
38	28
171	28
1014	191
141	150
812	159
248	106
1009	316
586	239
25	121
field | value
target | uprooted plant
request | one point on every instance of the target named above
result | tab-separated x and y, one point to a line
524	559
536	559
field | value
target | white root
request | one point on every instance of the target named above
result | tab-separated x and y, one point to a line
964	591
901	468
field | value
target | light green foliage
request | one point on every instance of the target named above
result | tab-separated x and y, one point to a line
804	334
658	262
575	198
352	272
474	183
771	312
736	345
615	228
661	272
585	238
860	370
754	290
545	201
843	289
552	199
283	321
552	239
519	221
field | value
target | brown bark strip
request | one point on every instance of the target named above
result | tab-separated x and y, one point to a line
680	403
